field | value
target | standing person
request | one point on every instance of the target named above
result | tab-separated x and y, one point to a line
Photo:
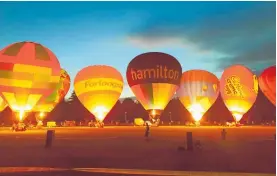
147	131
14	126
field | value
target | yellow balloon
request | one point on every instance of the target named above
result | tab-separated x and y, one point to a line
239	89
3	104
98	88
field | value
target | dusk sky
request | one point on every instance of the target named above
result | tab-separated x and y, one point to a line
201	35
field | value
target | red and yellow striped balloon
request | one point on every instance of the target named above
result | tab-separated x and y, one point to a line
29	72
49	103
98	88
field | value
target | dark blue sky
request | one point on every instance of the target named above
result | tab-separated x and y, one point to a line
201	35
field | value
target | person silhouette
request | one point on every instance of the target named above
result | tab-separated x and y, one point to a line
147	130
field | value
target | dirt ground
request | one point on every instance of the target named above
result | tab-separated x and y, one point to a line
246	149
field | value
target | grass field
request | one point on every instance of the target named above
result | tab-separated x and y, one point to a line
246	149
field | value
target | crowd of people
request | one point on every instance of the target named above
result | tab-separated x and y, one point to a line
22	126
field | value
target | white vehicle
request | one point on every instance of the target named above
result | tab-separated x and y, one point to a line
51	124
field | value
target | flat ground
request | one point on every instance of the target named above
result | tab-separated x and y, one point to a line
246	149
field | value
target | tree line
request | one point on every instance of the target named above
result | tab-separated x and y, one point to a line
128	109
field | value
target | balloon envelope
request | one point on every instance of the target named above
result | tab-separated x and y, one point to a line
239	89
3	104
49	103
198	91
267	83
98	88
154	78
28	72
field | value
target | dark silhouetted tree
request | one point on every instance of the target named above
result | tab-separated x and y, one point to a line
140	112
7	116
175	111
262	110
218	112
76	111
59	112
114	114
128	110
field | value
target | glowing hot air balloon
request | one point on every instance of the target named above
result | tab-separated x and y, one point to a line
154	78
29	72
98	88
239	89
48	104
3	104
267	83
198	91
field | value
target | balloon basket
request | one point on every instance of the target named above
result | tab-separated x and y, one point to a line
197	124
155	122
20	126
99	125
238	124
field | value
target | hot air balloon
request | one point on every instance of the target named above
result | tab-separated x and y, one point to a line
48	104
198	91
29	72
98	88
3	104
239	89
267	83
154	78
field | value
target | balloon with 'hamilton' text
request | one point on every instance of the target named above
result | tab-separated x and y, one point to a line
154	78
98	88
238	89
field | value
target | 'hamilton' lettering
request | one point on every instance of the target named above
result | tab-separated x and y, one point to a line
159	72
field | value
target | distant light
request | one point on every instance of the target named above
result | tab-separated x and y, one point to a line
41	114
153	112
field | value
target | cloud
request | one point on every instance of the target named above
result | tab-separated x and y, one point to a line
165	41
257	59
145	42
243	35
